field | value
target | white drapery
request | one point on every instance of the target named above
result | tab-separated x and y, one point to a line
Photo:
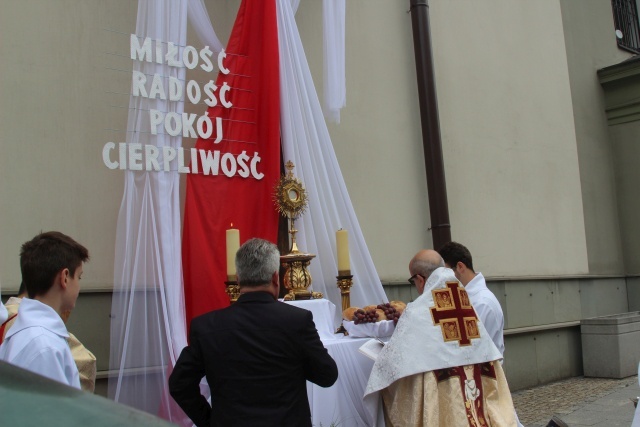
306	142
201	24
148	329
147	316
335	90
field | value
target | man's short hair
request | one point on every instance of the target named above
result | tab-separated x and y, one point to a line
46	255
256	261
424	267
454	252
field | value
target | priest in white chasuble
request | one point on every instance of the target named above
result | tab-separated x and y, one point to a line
440	367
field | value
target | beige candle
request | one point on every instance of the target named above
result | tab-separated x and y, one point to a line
342	243
233	244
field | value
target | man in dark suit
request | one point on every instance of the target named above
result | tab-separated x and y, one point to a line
256	354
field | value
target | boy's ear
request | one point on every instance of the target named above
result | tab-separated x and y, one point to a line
63	276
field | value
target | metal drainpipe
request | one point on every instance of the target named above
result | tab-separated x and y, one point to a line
433	160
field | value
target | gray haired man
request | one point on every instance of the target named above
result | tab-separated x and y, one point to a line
256	354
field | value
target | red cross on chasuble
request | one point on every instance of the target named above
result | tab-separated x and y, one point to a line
458	322
454	313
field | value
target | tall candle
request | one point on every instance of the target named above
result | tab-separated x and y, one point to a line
342	243
233	244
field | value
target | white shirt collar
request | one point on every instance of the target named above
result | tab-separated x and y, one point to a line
34	313
476	284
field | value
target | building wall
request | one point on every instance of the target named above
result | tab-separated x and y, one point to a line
378	141
625	139
590	44
498	128
505	105
55	86
530	175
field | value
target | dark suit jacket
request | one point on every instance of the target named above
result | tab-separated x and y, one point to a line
257	355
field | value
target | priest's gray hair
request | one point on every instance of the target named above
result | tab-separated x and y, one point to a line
256	261
425	267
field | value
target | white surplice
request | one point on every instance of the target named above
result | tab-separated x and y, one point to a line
37	341
488	309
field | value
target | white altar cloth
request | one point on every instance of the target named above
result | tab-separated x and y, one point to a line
323	312
341	404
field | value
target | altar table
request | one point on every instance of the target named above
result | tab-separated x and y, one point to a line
341	404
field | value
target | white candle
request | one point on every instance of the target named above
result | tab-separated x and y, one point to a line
233	244
342	243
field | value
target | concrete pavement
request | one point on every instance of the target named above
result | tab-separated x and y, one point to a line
593	402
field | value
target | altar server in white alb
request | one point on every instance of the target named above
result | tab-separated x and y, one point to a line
458	258
51	266
440	367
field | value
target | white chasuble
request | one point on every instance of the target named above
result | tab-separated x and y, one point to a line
440	367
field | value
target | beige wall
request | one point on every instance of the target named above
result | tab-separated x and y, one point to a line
378	142
510	144
529	176
53	83
588	28
625	140
506	112
507	127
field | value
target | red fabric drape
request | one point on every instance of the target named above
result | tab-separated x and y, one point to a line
251	125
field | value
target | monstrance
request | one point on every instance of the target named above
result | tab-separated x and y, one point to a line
291	200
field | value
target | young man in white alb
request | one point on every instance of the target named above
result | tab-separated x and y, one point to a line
51	266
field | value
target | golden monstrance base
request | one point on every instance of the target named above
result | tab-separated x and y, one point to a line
297	278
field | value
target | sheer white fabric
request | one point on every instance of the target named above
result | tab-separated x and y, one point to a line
201	24
147	316
306	142
335	91
294	5
148	329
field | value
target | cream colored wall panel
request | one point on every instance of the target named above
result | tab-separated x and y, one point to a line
603	297
567	304
540	302
557	353
519	309
90	322
378	142
541	357
626	145
590	45
508	135
520	361
633	293
54	115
